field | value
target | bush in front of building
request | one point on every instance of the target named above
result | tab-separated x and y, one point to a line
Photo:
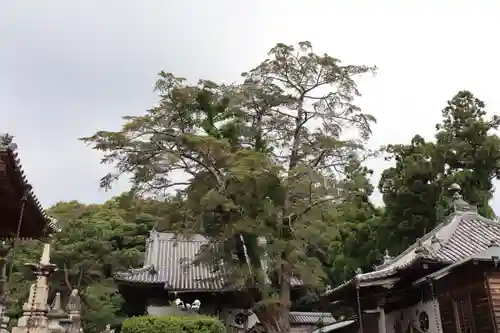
173	324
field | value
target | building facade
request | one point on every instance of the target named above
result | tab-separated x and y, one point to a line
22	215
446	282
169	273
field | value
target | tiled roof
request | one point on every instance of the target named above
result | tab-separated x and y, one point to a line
323	320
312	318
169	260
461	235
491	253
334	326
9	156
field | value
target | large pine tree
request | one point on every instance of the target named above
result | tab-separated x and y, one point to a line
258	159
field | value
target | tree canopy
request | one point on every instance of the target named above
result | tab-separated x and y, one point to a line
263	158
272	170
95	241
465	151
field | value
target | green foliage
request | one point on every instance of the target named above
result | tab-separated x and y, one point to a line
173	324
276	157
104	306
95	241
355	244
466	151
264	158
410	193
471	150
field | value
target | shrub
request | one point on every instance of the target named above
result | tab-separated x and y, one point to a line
173	324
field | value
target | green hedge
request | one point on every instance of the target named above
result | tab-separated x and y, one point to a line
173	324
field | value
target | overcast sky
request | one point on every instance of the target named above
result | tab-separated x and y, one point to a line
69	68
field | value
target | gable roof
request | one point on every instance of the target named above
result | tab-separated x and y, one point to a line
462	234
169	260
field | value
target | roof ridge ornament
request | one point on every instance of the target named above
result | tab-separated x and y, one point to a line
435	240
436	243
421	249
458	202
387	257
7	140
493	243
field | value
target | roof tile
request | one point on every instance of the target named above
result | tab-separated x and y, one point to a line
491	253
463	234
169	260
313	318
8	152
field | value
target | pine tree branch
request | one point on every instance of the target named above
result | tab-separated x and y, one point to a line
294	216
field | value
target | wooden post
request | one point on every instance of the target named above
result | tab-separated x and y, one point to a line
490	301
381	317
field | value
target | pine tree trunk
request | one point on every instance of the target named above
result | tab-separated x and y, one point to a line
274	318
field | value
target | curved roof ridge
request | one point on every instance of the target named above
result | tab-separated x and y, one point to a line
462	233
443	231
412	247
178	237
133	271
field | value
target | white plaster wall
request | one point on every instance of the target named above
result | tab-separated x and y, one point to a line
159	310
405	316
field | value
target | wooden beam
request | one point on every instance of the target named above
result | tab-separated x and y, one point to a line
386	283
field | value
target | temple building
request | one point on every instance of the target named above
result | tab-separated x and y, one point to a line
446	282
169	274
22	215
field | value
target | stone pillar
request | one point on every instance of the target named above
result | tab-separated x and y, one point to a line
34	318
74	307
56	314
